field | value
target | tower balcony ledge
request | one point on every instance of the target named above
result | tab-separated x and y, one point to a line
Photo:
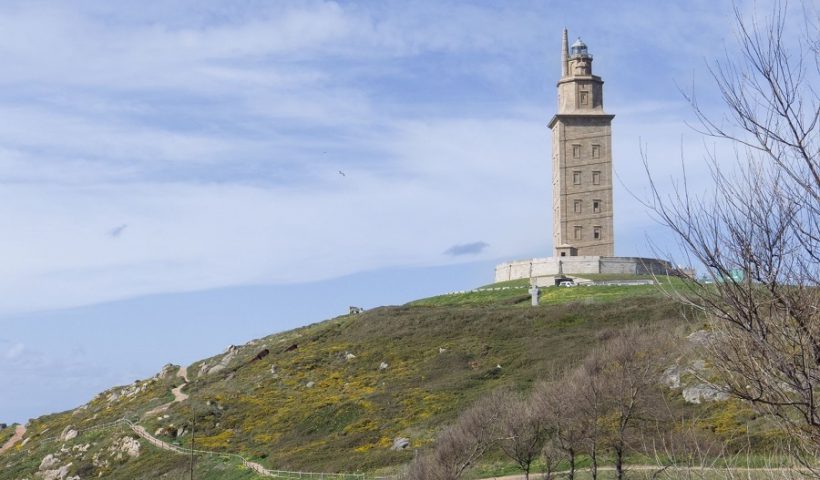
580	113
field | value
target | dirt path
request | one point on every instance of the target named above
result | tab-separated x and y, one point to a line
178	395
18	435
139	430
177	392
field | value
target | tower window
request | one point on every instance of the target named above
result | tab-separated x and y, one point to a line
596	206
577	206
596	233
596	178
596	151
584	98
576	151
578	232
576	177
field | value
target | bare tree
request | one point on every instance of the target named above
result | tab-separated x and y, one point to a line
550	456
758	233
558	403
630	366
459	446
523	429
588	384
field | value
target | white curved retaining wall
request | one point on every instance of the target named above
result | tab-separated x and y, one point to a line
547	266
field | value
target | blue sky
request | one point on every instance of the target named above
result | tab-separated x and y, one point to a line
170	170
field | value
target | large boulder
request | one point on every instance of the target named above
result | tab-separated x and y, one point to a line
69	433
703	393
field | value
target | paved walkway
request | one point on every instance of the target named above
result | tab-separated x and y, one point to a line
18	435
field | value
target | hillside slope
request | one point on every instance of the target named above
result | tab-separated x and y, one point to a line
334	396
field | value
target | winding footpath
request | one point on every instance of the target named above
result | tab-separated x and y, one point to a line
18	435
139	430
177	392
179	396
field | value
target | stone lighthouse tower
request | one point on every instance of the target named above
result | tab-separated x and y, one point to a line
583	239
581	160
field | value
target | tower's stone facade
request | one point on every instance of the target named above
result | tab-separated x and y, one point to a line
581	160
583	238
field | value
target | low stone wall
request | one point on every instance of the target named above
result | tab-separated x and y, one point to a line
549	266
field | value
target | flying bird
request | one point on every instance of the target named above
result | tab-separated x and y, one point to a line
342	173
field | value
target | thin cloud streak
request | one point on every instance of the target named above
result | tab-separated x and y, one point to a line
473	248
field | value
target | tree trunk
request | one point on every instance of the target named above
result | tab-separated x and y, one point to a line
619	463
571	475
594	457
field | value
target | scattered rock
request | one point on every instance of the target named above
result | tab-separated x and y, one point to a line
699	365
81	448
130	446
229	355
441	350
57	474
98	461
383	366
671	377
349	356
703	393
400	443
498	366
292	347
68	434
129	391
48	461
167	370
310	384
700	337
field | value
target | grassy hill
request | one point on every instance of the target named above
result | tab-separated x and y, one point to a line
333	396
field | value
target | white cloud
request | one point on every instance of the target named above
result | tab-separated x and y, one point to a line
452	178
215	135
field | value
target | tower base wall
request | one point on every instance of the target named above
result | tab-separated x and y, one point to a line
579	265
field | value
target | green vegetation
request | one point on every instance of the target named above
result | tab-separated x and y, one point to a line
331	405
6	434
